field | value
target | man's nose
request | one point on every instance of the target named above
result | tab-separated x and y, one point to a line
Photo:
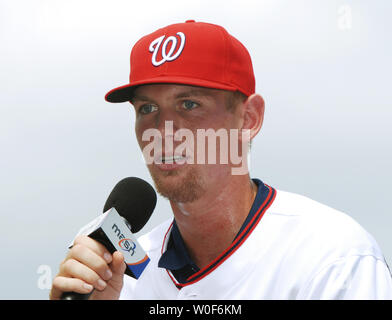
167	122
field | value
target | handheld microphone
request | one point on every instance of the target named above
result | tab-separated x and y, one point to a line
126	211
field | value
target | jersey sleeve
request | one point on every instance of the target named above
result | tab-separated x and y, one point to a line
359	277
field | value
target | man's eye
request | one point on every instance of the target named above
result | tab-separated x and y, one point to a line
147	108
189	105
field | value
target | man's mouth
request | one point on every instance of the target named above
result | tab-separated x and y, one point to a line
168	163
171	159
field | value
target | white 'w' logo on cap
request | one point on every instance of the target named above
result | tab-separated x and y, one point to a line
166	56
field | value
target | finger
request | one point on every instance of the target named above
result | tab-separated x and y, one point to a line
95	246
91	259
74	269
64	284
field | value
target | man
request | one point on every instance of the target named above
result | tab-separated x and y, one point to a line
232	237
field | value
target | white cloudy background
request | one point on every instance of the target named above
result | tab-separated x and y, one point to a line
323	67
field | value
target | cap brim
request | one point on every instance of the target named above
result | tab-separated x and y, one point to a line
120	94
125	92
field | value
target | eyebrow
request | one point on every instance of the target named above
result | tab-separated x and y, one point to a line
184	94
194	92
139	98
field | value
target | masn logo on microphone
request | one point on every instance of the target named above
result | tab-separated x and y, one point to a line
125	244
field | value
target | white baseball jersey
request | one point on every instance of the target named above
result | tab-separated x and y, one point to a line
294	248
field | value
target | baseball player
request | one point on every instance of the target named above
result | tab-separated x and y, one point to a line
232	237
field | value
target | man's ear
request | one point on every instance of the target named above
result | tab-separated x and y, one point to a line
253	114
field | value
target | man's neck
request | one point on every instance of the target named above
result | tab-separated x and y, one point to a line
209	225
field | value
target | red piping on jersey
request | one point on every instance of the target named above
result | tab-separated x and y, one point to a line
235	243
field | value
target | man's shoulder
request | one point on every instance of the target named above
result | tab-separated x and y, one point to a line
321	224
305	209
290	203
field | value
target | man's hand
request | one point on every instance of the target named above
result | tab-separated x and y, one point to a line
87	266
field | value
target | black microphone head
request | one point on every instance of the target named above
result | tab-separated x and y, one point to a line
134	199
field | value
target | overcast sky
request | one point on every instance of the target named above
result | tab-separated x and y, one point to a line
323	67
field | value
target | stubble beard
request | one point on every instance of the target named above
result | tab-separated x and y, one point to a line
177	186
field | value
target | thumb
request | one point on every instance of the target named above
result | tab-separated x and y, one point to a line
118	268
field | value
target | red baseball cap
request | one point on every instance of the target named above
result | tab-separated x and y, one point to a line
191	53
